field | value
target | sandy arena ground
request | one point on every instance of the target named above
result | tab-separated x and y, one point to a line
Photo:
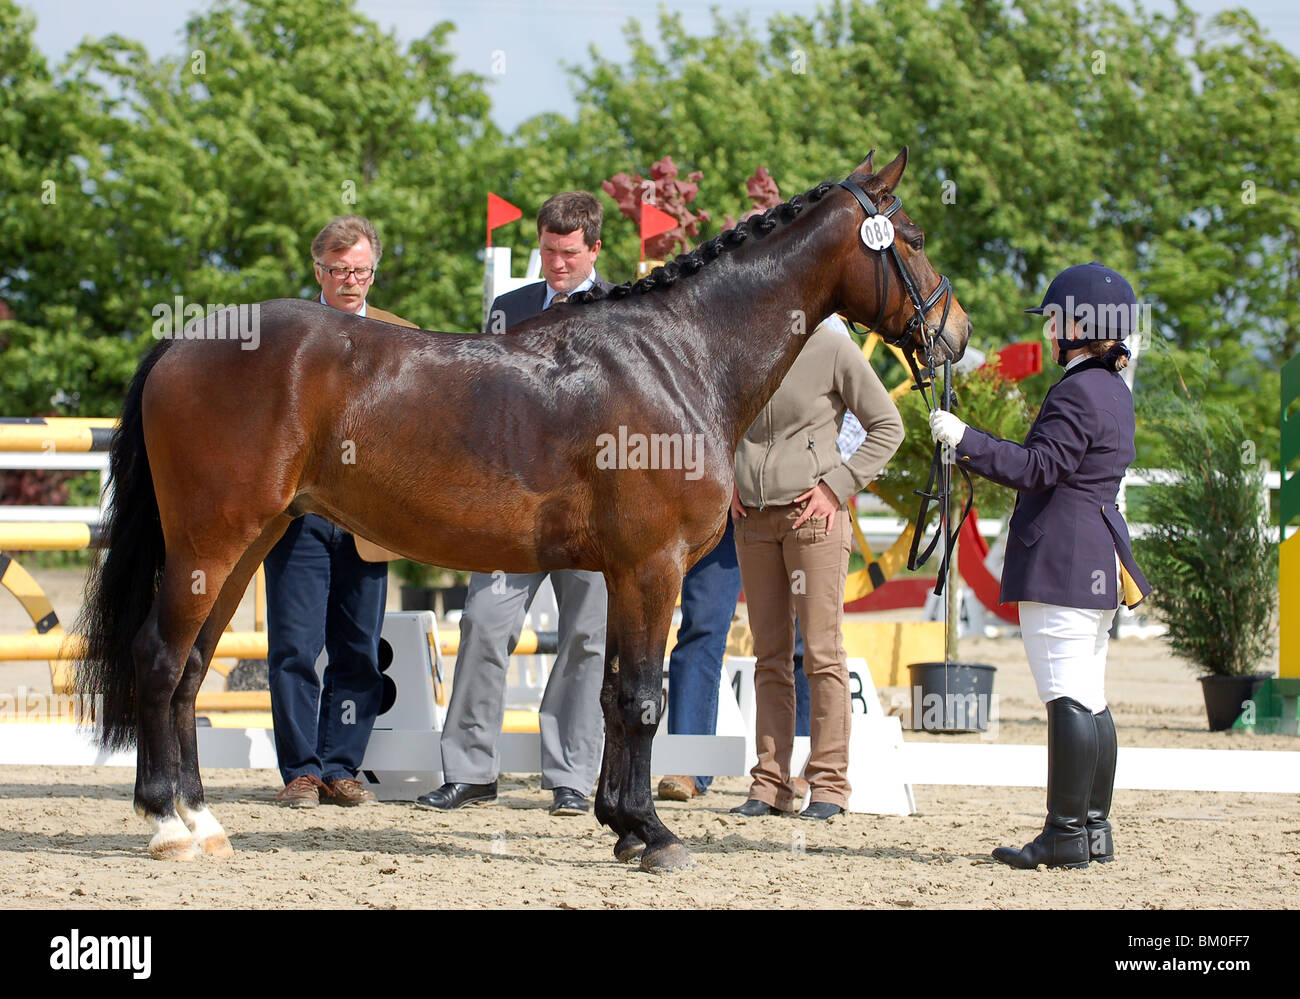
68	837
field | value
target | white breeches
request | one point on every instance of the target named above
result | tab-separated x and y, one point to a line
1066	647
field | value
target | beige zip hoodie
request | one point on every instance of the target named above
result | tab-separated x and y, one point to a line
791	446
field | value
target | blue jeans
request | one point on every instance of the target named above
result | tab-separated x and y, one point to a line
321	594
709	594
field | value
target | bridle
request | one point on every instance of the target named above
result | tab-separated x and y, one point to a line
921	305
938	485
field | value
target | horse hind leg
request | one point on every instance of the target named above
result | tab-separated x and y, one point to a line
167	661
205	831
161	650
190	801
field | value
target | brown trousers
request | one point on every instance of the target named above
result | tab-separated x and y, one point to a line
785	572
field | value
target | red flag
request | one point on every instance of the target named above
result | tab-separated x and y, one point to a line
499	212
1020	360
655	222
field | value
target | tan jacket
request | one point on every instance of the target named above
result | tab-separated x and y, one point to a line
368	550
387	317
791	446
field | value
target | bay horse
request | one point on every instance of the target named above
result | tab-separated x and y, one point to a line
474	452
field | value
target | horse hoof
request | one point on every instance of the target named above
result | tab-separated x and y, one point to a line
667	859
218	846
628	848
175	849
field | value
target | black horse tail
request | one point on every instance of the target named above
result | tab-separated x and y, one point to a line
123	580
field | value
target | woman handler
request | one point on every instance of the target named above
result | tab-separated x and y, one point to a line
1068	560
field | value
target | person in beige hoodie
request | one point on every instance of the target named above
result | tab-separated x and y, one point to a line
792	542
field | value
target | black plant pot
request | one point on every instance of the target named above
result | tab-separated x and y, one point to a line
951	696
1226	696
453	598
438	599
418	598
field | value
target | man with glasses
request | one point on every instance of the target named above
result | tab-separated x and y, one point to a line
321	594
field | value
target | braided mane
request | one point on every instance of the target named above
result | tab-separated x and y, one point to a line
685	264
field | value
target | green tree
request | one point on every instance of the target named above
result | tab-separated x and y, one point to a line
206	174
1043	133
51	238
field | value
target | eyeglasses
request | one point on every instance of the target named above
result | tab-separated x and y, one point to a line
363	274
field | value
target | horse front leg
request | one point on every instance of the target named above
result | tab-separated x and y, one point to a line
642	604
614	762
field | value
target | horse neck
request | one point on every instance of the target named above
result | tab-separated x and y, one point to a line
759	304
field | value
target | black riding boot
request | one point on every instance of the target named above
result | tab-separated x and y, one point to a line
1071	764
1101	844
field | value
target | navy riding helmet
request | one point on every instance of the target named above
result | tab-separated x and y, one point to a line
1100	299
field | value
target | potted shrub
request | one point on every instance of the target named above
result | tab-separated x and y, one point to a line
987	400
416	581
1207	552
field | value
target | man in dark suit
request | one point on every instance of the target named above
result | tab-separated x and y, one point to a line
321	594
572	727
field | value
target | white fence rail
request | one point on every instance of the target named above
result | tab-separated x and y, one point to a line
879	523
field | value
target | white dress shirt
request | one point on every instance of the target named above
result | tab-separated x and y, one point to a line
588	282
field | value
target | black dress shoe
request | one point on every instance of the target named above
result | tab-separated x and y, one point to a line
451	796
567	801
754	808
821	810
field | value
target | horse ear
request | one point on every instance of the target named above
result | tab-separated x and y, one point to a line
866	166
892	172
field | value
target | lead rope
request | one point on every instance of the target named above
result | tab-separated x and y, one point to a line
940	476
942	470
938	484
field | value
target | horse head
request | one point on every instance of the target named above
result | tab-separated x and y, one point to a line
888	283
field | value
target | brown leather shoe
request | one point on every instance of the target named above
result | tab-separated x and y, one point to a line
301	792
348	791
678	789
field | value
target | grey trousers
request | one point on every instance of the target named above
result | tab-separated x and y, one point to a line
572	726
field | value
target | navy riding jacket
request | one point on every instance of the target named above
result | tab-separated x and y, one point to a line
1067	529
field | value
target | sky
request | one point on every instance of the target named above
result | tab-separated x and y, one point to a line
528	43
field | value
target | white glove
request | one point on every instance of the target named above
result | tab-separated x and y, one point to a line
945	428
